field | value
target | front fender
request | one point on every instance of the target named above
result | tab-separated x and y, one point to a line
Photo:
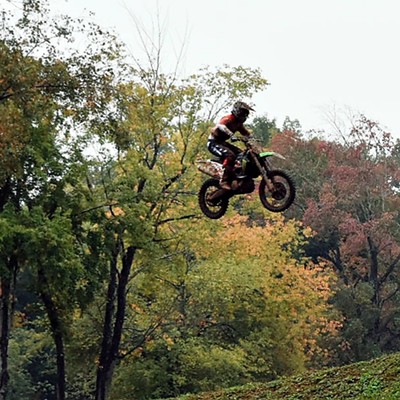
271	154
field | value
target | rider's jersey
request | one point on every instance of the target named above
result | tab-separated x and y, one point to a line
232	124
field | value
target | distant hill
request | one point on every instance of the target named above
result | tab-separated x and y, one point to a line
376	379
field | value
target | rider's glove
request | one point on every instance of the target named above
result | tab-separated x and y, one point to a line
247	138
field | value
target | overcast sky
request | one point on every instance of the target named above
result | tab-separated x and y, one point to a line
316	54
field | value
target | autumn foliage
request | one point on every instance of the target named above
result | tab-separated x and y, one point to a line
352	206
114	285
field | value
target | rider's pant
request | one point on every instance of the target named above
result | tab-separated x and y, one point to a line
228	152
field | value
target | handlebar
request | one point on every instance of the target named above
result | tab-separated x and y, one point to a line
243	139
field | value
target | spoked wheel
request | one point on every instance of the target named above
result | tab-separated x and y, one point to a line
283	194
212	199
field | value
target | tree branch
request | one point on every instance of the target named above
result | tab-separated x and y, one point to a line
390	269
178	218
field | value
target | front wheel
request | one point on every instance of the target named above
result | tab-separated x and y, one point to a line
282	194
212	199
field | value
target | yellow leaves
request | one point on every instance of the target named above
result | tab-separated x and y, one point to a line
114	212
266	260
247	240
19	319
168	340
90	104
136	308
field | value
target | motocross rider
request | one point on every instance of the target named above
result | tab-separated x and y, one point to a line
221	132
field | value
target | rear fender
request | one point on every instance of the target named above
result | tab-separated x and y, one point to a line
211	168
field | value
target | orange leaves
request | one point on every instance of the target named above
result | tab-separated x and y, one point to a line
269	257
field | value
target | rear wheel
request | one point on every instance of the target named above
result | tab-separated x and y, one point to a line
212	199
283	193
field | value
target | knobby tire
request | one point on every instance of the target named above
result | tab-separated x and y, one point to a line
212	211
289	191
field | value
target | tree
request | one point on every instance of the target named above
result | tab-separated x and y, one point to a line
306	161
264	129
355	216
158	135
290	125
101	214
226	317
42	92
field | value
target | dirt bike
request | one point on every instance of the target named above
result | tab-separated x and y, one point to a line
276	189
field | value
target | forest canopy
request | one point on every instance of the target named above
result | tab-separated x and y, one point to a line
113	285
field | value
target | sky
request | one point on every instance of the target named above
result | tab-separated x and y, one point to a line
318	55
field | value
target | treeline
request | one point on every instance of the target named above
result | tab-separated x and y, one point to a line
349	196
114	286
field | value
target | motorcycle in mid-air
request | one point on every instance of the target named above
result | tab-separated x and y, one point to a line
276	189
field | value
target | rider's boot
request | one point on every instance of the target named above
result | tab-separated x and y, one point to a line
224	183
235	184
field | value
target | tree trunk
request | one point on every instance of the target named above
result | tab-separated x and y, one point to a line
4	338
373	272
103	369
7	287
5	192
113	326
374	280
56	330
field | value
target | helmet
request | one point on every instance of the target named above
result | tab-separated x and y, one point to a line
241	110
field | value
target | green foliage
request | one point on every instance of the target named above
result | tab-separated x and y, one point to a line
31	368
264	129
371	386
192	365
222	86
47	88
217	321
207	366
376	379
193	320
290	125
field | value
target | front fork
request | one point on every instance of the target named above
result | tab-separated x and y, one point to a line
263	171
